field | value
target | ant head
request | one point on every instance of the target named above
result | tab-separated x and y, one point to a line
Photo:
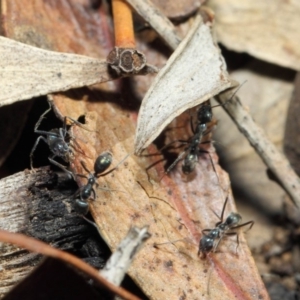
233	219
206	244
205	113
59	147
102	163
189	163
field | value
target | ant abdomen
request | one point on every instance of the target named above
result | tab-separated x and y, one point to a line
102	163
81	206
189	163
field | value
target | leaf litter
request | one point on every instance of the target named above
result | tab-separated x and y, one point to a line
174	209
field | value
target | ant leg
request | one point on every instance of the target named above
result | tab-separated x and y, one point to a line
237	239
63	132
94	195
192	125
77	123
38	123
223	210
173	142
180	156
85	168
81	175
228	100
34	147
222	214
237	243
64	168
217	244
251	223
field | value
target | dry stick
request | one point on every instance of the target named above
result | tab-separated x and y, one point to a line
158	21
123	24
271	156
34	245
121	259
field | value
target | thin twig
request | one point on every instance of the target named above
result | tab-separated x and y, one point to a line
270	155
36	246
119	262
158	21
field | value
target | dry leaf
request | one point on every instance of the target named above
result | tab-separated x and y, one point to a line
268	30
175	211
194	73
28	72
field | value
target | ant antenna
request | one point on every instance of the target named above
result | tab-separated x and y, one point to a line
231	97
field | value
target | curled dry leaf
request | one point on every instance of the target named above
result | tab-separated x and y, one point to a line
38	72
268	30
195	72
174	209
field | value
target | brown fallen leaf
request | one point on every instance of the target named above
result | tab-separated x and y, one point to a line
176	208
268	30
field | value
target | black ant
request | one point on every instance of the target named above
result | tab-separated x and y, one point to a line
102	163
204	116
57	139
212	237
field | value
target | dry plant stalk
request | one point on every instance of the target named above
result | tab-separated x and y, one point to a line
271	156
123	24
158	21
124	58
34	245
